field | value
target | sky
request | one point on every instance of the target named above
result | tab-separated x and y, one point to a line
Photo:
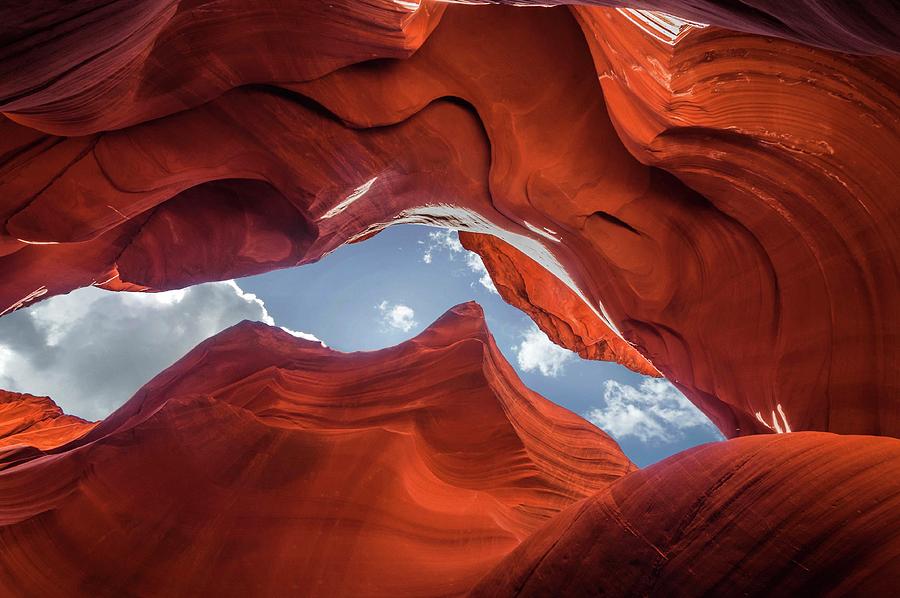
91	350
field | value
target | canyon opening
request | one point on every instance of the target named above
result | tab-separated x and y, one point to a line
646	343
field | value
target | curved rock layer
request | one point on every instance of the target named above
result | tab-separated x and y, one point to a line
859	27
96	65
93	66
264	464
727	204
27	421
809	514
799	147
559	312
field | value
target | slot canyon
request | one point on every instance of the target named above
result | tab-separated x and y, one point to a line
706	193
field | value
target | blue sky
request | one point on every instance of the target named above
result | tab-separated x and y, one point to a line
81	350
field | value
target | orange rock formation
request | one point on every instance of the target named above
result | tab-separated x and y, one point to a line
265	464
810	514
558	311
36	422
723	203
719	204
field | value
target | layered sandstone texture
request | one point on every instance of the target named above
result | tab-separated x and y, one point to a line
716	205
712	196
264	464
803	514
555	308
27	421
859	27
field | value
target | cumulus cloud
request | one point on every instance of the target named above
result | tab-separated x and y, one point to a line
445	241
92	349
538	352
476	265
397	316
654	411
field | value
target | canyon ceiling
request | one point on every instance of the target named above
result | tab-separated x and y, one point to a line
713	197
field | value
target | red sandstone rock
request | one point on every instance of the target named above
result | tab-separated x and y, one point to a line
656	249
768	299
95	65
91	66
798	146
29	421
727	207
559	312
263	464
806	514
863	26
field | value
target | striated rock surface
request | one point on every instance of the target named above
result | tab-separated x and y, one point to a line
263	464
796	146
36	422
726	205
91	66
863	26
96	65
717	205
810	514
559	312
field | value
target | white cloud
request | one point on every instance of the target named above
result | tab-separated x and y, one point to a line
264	317
92	349
399	316
446	241
537	352
476	265
654	411
442	240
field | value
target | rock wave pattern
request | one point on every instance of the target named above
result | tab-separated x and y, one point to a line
809	513
263	464
710	193
29	422
721	205
425	469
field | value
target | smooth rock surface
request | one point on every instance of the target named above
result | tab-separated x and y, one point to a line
80	67
36	422
559	312
862	26
265	464
797	148
809	514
